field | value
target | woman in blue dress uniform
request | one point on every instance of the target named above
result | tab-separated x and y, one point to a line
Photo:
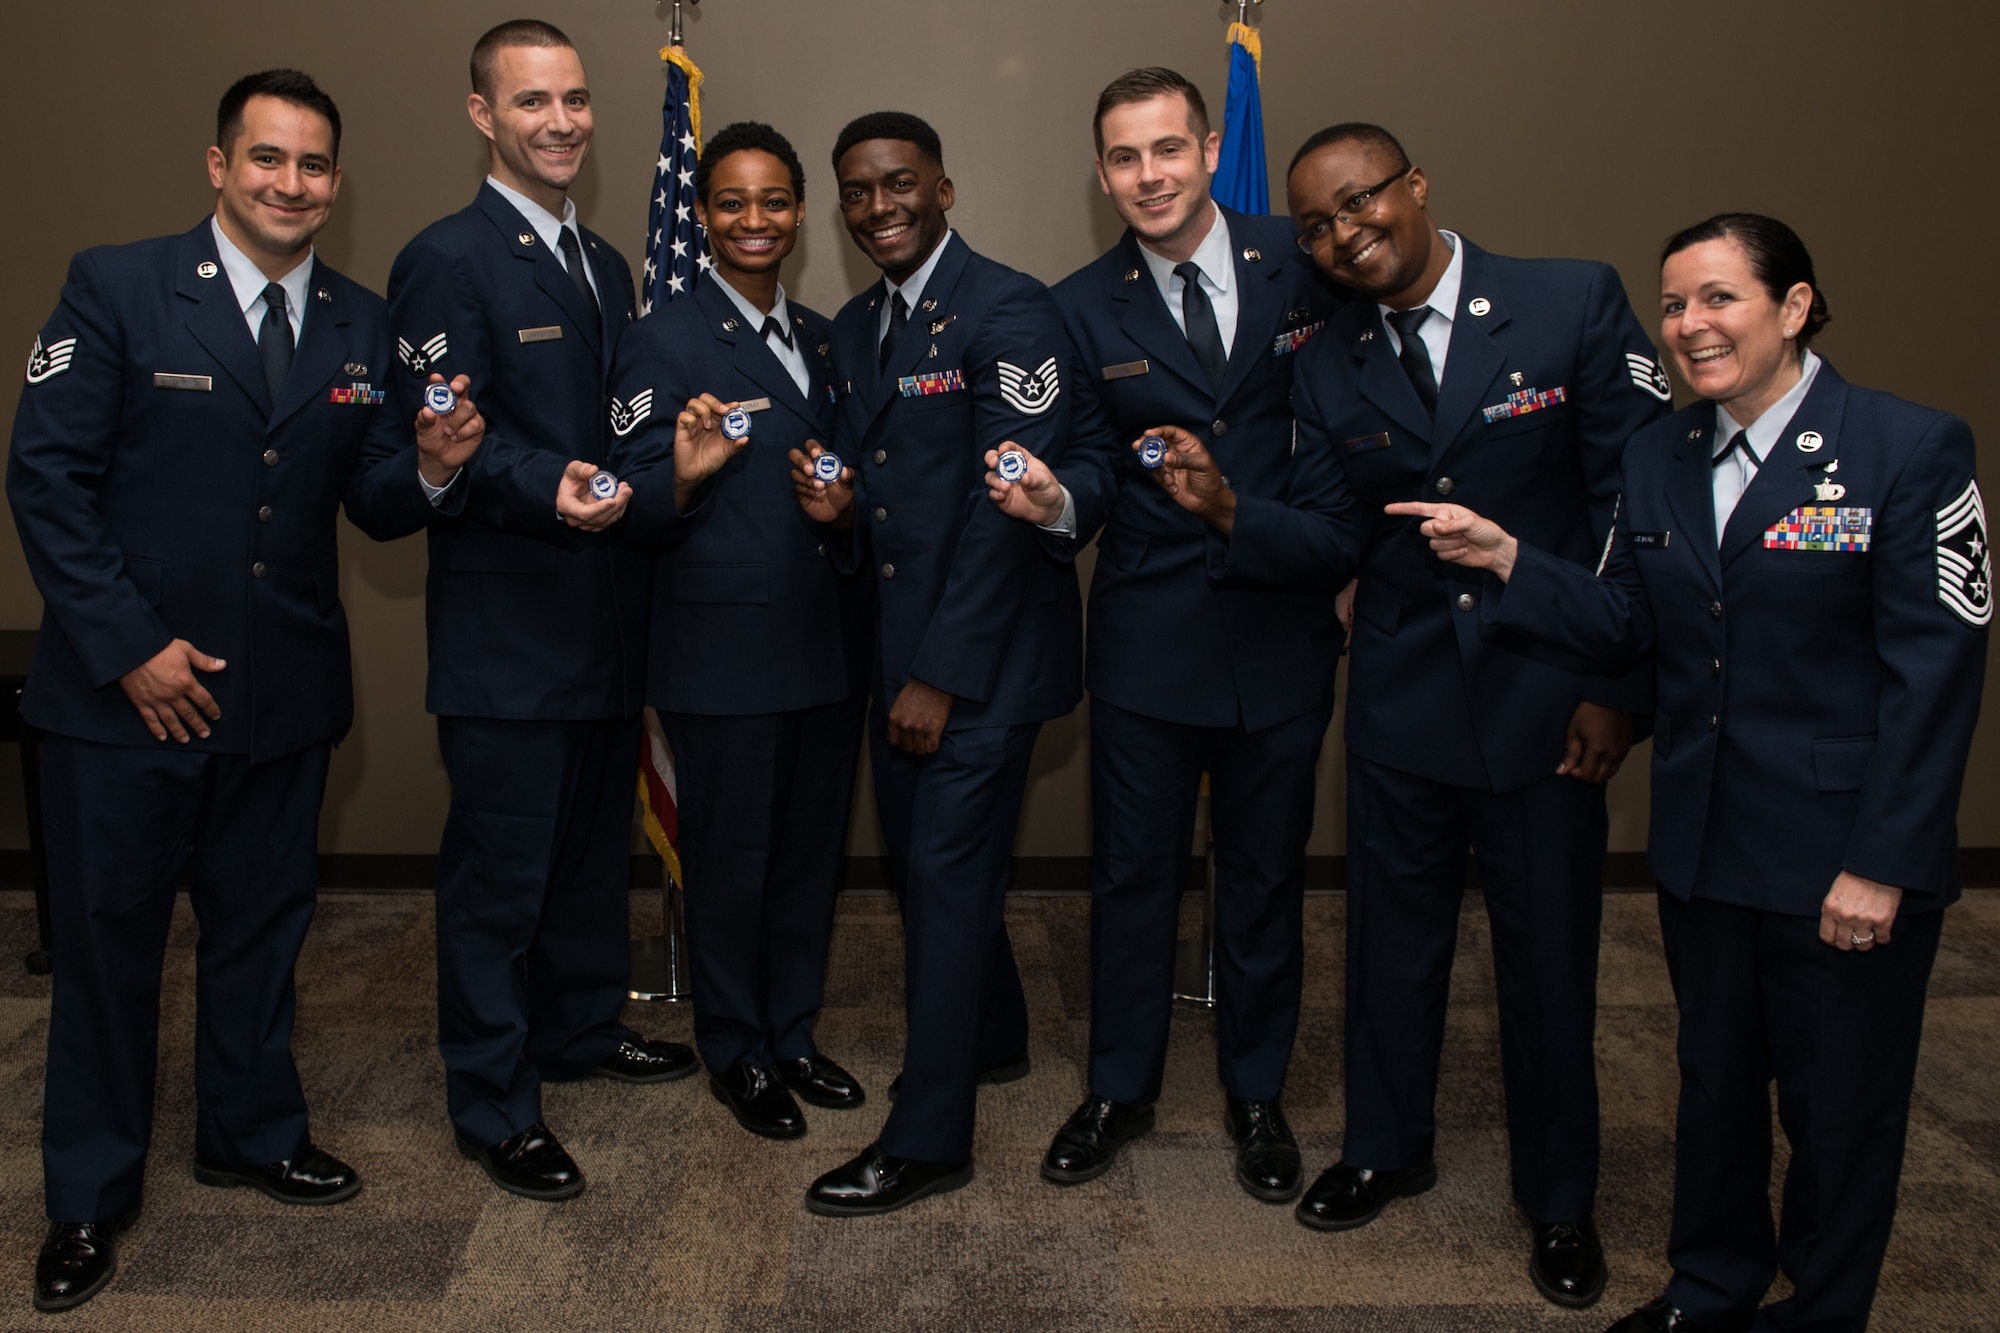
757	645
1810	559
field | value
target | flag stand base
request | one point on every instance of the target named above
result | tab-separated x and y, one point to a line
660	962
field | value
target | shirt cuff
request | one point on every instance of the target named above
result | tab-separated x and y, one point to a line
1065	524
436	493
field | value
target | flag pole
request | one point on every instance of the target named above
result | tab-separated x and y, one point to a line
674	22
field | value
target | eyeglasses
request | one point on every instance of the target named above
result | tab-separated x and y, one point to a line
1357	205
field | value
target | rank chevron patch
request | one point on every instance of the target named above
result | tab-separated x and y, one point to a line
1030	394
45	363
420	360
625	417
1964	561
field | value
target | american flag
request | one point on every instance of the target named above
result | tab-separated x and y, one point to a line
676	248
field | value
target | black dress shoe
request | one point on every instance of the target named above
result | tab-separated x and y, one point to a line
875	1183
1088	1143
1004	1070
77	1259
311	1177
531	1164
1267	1156
758	1101
820	1082
638	1060
1662	1316
1567	1263
1345	1197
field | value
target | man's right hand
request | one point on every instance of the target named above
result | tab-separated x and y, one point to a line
831	503
445	443
168	696
1036	498
578	505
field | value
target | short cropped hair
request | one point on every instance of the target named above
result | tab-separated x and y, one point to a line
1351	131
746	136
1143	85
287	85
890	125
1777	256
514	32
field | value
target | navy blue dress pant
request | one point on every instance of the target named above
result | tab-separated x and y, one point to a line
1145	776
120	826
763	822
949	819
1762	999
1541	869
533	929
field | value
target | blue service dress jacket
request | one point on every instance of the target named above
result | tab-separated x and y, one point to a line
1166	640
1819	669
968	600
529	618
749	613
160	493
1547	377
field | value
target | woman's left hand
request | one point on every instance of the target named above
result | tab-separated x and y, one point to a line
1858	913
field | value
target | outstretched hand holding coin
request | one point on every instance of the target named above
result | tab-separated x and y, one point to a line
449	429
824	485
707	434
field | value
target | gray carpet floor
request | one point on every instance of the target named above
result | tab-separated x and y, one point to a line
691	1224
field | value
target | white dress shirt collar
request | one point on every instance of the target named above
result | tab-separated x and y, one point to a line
247	281
1443	305
791	357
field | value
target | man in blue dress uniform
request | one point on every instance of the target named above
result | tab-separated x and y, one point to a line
197	410
537	622
978	628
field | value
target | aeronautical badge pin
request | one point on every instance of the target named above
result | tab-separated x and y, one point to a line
1368	335
1810	442
440	399
1152	451
1832	466
1479	305
823	348
1252	255
827	468
1131	276
1826	491
736	424
1012	466
1695	434
1515	379
354	368
206	269
928	304
603	485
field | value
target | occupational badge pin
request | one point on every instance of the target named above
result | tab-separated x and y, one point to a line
928	304
1825	491
354	368
325	296
1515	379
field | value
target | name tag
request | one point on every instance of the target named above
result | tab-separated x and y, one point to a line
1361	444
199	383
922	386
1127	370
1822	528
552	333
755	404
1524	402
1650	541
1287	343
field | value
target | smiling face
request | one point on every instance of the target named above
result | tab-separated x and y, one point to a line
893	202
751	214
538	119
1157	172
1388	250
1730	338
275	186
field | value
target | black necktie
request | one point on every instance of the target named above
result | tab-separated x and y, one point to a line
773	329
1415	356
899	315
573	260
1204	335
274	340
1739	441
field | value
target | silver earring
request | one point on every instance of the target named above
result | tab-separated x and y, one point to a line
1788	333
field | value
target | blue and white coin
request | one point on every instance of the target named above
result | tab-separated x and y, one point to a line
603	485
1152	451
1012	465
736	424
440	399
827	468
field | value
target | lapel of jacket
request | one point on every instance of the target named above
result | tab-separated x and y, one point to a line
1260	302
1146	320
322	346
1786	479
1691	487
1475	358
550	275
1379	375
217	322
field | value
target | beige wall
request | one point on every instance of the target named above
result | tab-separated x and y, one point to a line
1548	127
